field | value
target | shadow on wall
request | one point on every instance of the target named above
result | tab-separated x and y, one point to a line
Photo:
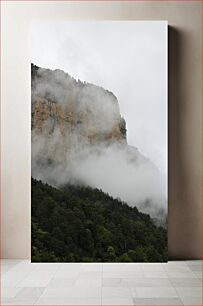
182	226
173	136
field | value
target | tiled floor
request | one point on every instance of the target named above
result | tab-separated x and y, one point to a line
173	283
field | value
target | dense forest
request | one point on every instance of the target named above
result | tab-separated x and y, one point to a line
81	224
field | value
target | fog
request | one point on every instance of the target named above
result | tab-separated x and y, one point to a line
117	169
127	57
79	150
100	106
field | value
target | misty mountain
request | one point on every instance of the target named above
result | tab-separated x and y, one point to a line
80	137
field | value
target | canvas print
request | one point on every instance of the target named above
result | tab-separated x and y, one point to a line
99	141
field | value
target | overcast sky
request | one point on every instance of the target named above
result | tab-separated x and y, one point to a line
128	58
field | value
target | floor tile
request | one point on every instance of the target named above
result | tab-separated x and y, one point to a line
32	292
37	279
91	267
67	267
73	292
46	267
177	263
61	282
122	274
117	301
198	274
90	275
155	274
116	292
189	292
151	267
9	292
169	283
11	261
112	282
90	278
135	267
153	292
66	273
21	301
185	282
178	274
196	268
6	268
4	301
193	262
177	268
88	282
15	275
157	301
146	282
69	301
193	301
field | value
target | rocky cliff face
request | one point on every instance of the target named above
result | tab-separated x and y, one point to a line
48	116
79	137
69	116
61	103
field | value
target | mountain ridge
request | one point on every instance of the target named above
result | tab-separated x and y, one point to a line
82	224
79	136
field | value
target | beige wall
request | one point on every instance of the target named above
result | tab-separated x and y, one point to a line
184	113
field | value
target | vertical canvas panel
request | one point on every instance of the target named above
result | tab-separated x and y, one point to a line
99	141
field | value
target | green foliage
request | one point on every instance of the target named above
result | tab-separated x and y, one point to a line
124	258
111	255
81	224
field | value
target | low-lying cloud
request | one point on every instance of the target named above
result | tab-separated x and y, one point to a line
71	158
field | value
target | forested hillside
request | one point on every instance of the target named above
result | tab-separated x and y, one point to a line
81	224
